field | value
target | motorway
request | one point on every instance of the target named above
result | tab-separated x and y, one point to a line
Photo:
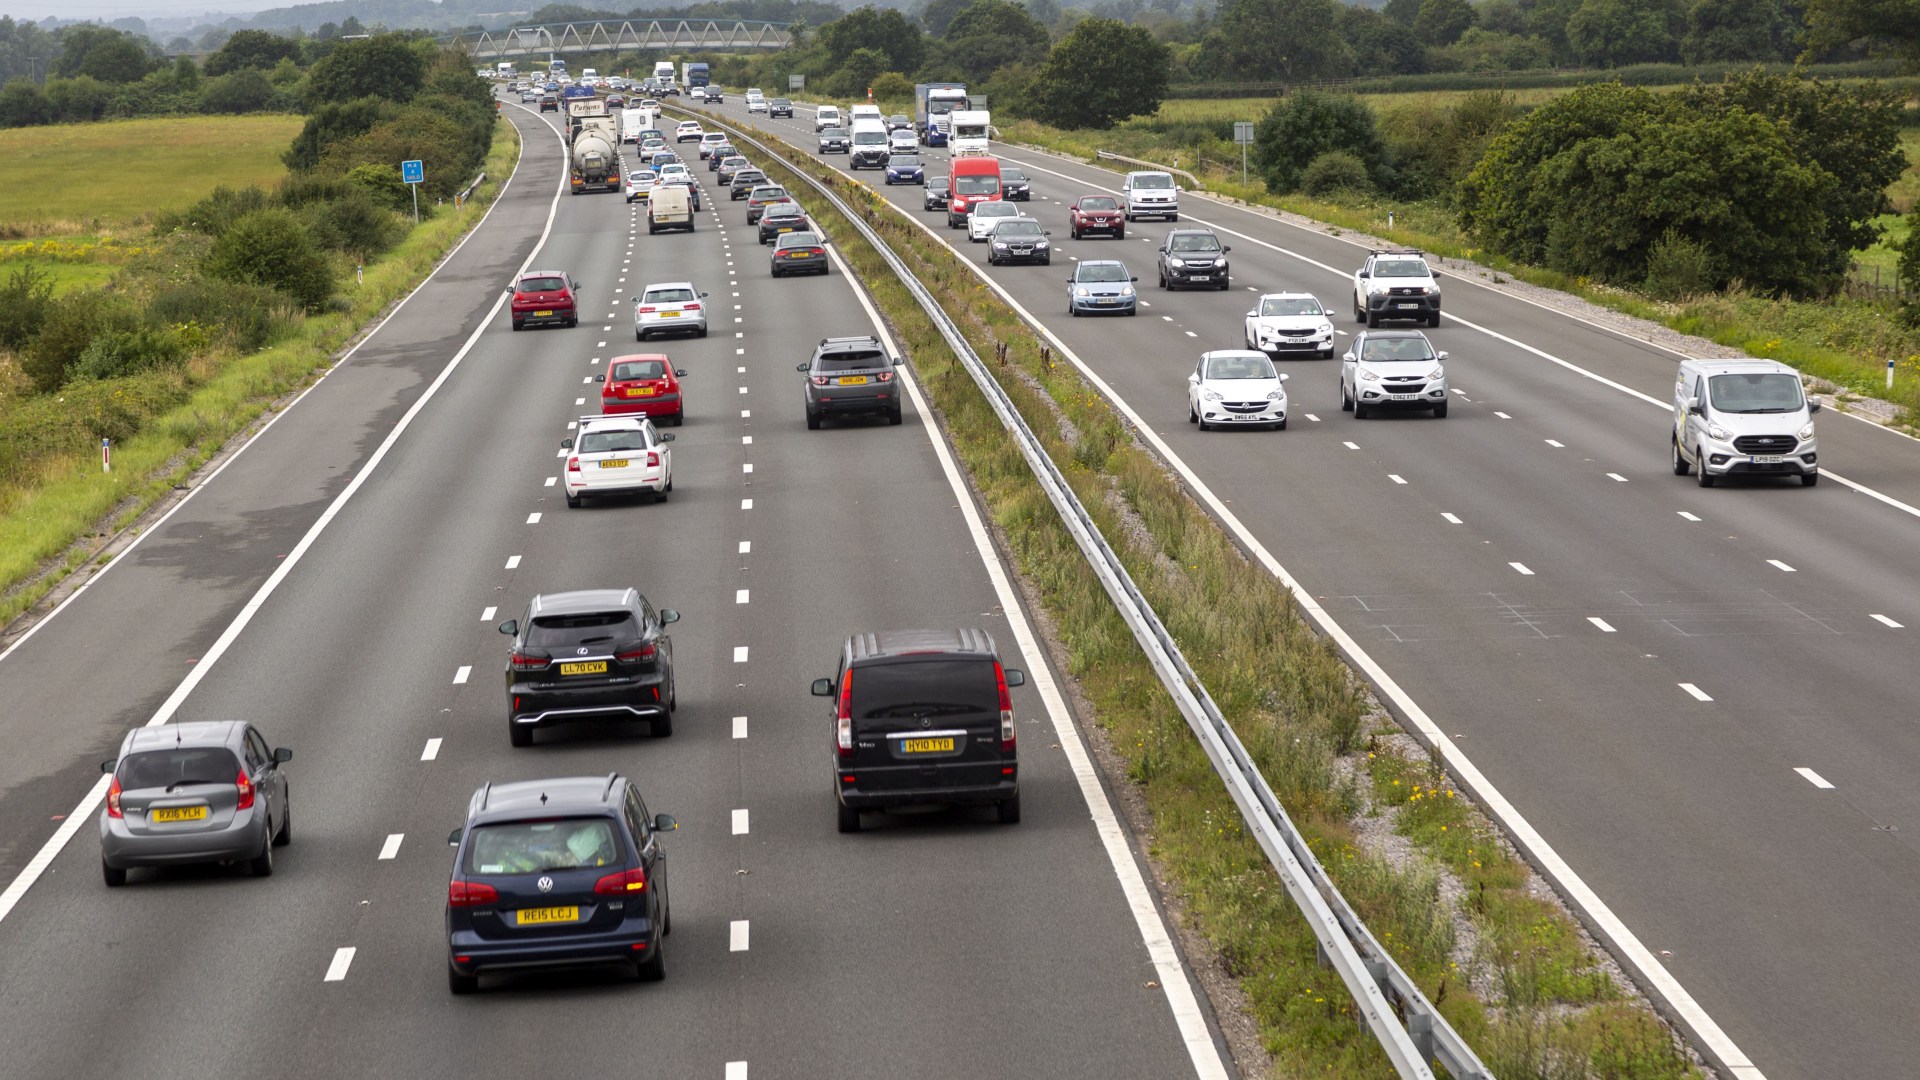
338	582
1700	698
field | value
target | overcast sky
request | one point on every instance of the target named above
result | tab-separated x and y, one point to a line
109	10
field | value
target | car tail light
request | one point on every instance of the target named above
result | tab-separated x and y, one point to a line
822	380
620	884
843	726
1006	709
653	460
883	376
245	801
113	798
648	310
613	390
690	307
644	652
469	893
573	464
528	662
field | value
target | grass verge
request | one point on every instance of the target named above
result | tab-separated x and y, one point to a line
53	513
1510	970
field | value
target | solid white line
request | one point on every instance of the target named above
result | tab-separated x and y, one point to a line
533	518
737	936
1522	567
1778	565
740	596
1450	518
1618	477
739	654
431	751
739	823
342	960
1686	515
460	676
739	727
1396	478
746	504
36	866
486	614
1814	778
746	546
513	562
1883	620
392	847
1601	623
736	1070
1698	694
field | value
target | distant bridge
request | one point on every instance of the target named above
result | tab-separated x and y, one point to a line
609	36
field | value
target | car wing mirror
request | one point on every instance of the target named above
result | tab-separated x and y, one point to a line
1226	248
703	296
668	615
664	823
566	444
1693	405
821	688
1441	355
453	838
109	765
1813	406
1255	313
667	437
800	367
1284	376
600	378
1347	357
897	361
1046	232
1133	279
511	627
680	373
1015	677
282	755
1434	275
1363	273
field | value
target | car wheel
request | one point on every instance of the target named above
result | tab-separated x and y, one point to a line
1433	319
1072	311
1373	320
813	421
849	818
660	726
1048	261
1809	479
1224	283
113	877
1346	399
1163	278
1440	411
573	502
519	325
1121	235
701	333
894	418
285	835
261	865
776	271
1008	810
1359	410
462	984
574	321
1133	311
1703	478
519	734
1680	466
1359	313
639	336
1192	416
1281	426
1173	217
1075	233
679	418
654	967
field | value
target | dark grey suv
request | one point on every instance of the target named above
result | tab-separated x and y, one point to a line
592	653
922	717
1193	257
208	792
850	376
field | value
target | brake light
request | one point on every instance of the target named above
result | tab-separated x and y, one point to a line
690	307
528	662
843	726
1006	709
113	798
245	785
822	380
573	464
620	884
883	376
469	893
653	460
648	310
644	652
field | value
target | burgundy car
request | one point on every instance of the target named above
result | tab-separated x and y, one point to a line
1097	214
545	297
644	383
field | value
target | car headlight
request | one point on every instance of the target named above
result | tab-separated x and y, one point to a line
1326	330
1210	395
1126	290
1805	433
1370	376
1437	373
1276	395
1081	290
1039	243
1718	433
1000	245
1220	262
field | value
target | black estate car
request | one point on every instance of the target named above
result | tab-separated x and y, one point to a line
589	653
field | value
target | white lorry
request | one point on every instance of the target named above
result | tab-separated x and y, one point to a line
967	132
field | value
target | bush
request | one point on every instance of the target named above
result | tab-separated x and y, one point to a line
41	426
244	91
1308	123
22	104
331	123
1333	172
246	317
892	86
1679	267
215	213
117	353
271	247
24	302
79	99
354	223
383	183
72	322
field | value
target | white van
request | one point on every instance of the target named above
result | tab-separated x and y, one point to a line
827	116
1150	194
669	208
632	123
871	146
866	112
1742	418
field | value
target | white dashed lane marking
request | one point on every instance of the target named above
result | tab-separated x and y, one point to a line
1814	778
737	936
1555	443
1601	623
460	676
533	518
431	751
342	960
1686	515
736	1070
1451	520
1351	445
1617	477
740	596
1698	694
1396	478
739	654
1884	621
739	823
486	614
739	727
1778	565
1521	568
392	847
513	562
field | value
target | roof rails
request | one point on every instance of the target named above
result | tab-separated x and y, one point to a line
1397	251
612	779
598	417
486	792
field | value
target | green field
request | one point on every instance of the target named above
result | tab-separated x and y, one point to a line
60	179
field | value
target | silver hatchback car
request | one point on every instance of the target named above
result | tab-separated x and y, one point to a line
668	306
194	793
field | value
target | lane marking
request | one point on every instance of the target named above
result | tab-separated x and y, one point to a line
579	401
1522	568
736	1070
739	654
1602	624
1778	565
460	676
1351	445
746	546
746	440
551	480
513	562
392	847
1312	417
1884	621
1451	520
1617	476
737	936
740	596
1556	443
1698	694
533	518
746	414
746	504
739	727
342	960
1396	478
739	823
1686	515
486	614
431	751
1502	415
746	467
1814	778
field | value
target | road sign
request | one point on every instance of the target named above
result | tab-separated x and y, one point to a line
413	172
1242	132
796	82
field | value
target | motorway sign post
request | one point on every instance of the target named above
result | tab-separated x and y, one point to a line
413	174
1243	134
796	82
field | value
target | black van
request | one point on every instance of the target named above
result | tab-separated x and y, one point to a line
922	717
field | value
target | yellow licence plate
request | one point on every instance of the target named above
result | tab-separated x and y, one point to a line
640	391
614	463
585	667
926	746
669	314
543	313
853	380
178	813
542	915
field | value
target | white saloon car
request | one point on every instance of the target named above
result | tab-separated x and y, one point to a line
1232	387
616	455
1290	322
985	216
668	306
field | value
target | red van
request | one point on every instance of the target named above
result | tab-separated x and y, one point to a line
971	180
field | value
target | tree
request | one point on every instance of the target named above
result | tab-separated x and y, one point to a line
103	54
1245	44
1099	74
1308	123
329	124
888	31
252	49
936	14
1892	26
1614	33
860	69
1441	22
246	90
271	247
988	35
23	105
1380	45
383	66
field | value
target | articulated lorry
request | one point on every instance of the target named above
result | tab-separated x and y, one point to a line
933	103
595	156
692	75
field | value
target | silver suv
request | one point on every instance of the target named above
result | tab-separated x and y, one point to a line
1387	369
1396	284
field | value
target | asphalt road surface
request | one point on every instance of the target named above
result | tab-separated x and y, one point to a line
935	945
1701	698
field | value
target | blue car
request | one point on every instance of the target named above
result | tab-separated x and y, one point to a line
1101	287
905	169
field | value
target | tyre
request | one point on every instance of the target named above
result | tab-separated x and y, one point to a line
1225	283
1680	466
261	865
1702	477
114	878
1325	354
462	984
654	967
519	734
650	229
849	818
1440	410
679	418
1072	311
1192	416
519	324
1133	311
573	502
1121	235
1281	426
285	835
1008	810
1075	233
1359	409
1162	277
813	421
638	336
1433	319
1809	479
894	418
1048	261
573	322
1346	399
776	271
702	332
660	726
1359	314
1373	320
1204	426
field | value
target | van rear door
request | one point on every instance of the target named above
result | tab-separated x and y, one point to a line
926	723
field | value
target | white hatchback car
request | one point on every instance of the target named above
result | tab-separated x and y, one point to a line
756	104
1232	387
668	306
688	131
1290	322
617	455
709	140
674	172
985	216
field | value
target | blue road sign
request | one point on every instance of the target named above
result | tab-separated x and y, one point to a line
413	172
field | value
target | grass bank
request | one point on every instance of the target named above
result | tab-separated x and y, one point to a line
65	507
1509	969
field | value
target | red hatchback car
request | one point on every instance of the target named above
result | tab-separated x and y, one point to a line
546	296
645	383
1097	214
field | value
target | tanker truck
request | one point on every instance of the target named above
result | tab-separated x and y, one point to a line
596	164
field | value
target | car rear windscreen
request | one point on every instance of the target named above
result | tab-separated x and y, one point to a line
852	361
541	284
178	765
534	847
929	688
587	628
641	369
